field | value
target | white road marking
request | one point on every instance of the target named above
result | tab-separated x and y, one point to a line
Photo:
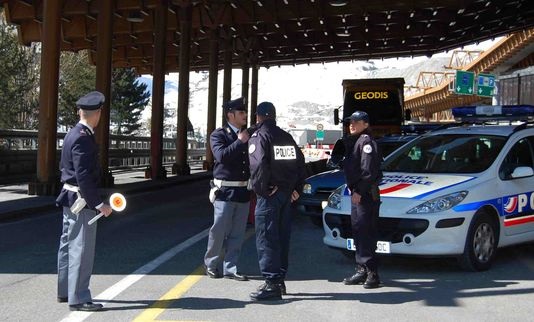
129	280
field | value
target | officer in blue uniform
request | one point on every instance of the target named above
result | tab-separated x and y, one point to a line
81	202
363	174
277	174
229	193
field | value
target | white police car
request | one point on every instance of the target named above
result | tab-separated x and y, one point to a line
461	191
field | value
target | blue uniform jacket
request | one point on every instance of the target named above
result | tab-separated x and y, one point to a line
79	167
275	160
362	163
231	163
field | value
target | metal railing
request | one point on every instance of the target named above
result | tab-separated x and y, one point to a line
18	152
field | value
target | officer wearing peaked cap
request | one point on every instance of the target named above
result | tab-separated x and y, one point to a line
277	175
229	193
81	202
363	174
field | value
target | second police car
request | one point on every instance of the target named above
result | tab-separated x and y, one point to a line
462	191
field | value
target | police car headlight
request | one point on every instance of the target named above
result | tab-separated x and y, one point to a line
307	189
334	200
439	204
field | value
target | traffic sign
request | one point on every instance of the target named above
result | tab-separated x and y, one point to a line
485	84
464	82
319	135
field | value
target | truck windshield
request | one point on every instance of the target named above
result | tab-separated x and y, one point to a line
447	153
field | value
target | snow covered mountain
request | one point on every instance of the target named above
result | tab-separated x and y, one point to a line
303	95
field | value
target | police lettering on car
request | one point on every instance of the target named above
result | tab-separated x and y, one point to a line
276	174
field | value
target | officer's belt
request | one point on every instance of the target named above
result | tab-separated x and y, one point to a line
225	183
70	187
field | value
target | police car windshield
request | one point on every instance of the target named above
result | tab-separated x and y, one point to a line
446	153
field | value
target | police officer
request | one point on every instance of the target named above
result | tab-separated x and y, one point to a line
277	174
363	174
81	202
229	193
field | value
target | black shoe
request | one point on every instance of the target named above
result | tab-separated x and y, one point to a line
213	273
237	277
61	299
282	286
358	278
267	292
372	281
88	307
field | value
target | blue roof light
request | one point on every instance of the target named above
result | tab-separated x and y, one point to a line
494	113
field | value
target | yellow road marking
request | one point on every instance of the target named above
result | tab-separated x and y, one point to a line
152	313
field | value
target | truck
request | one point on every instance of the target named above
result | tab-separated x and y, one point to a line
381	98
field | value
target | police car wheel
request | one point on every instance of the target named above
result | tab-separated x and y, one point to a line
480	244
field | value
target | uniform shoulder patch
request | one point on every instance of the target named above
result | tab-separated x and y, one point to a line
251	148
367	148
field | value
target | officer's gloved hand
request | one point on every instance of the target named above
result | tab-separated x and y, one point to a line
295	196
106	210
243	136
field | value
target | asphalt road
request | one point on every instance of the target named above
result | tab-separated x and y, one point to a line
136	282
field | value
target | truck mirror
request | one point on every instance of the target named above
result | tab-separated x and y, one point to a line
407	114
336	116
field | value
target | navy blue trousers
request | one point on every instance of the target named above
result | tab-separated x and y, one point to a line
364	217
273	231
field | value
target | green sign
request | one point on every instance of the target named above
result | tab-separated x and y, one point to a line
485	84
319	135
464	82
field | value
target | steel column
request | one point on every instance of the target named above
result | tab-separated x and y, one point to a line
227	81
254	94
212	95
245	81
103	84
47	179
181	167
158	90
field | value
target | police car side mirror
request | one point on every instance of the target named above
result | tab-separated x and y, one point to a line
522	172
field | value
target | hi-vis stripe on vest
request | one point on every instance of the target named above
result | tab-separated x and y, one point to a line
284	152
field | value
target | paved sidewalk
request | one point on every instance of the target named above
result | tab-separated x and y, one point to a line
15	202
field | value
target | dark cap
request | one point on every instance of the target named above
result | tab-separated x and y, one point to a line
238	104
358	116
266	109
91	101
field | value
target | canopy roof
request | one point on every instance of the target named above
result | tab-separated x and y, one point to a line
281	32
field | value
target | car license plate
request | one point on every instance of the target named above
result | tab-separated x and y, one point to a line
381	246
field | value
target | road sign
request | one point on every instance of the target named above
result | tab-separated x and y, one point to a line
485	84
319	135
464	82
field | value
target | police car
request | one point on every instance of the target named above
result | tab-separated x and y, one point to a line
461	191
318	187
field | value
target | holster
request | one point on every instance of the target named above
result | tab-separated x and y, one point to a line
214	190
78	205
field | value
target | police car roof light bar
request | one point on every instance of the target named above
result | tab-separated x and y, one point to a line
494	113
